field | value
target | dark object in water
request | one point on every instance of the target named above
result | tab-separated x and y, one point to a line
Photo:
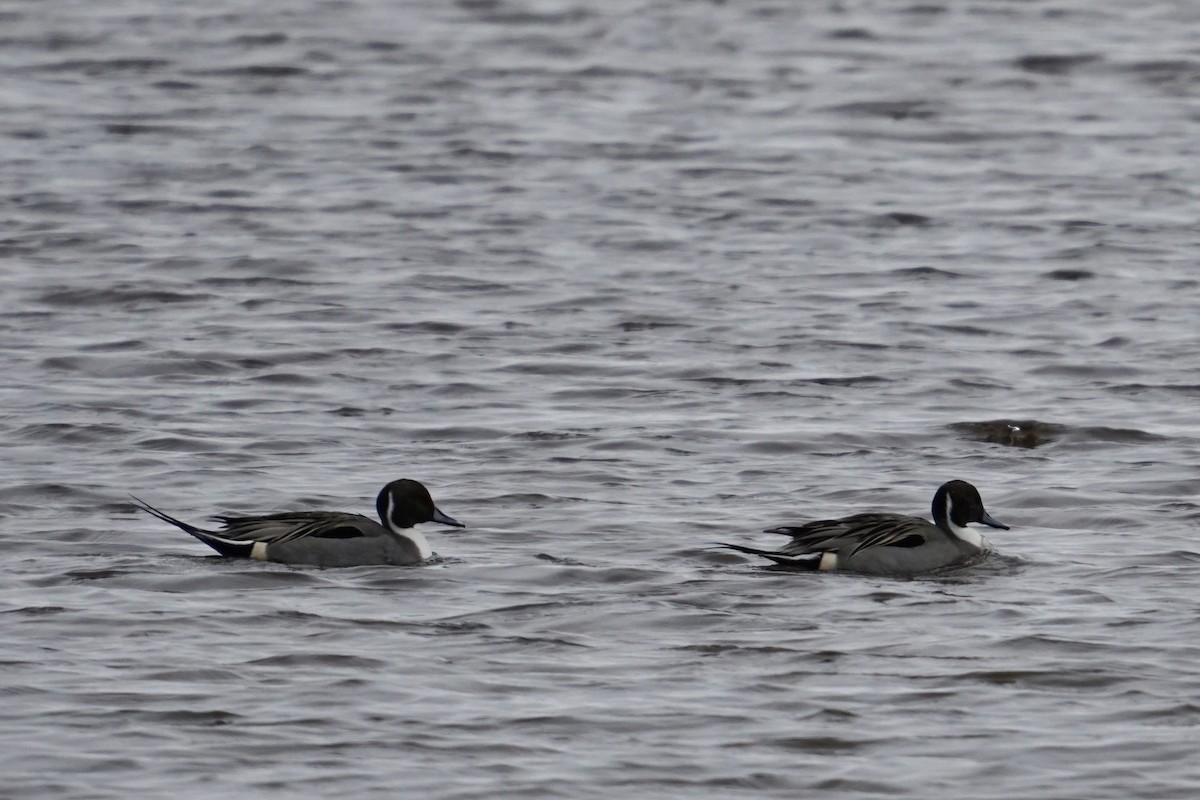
1027	433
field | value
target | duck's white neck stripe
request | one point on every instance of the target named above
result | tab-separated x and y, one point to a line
969	535
424	551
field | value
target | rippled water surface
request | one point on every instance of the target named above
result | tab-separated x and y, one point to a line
616	281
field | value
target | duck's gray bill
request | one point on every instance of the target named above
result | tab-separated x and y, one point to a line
438	516
988	519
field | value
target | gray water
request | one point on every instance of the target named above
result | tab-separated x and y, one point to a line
616	281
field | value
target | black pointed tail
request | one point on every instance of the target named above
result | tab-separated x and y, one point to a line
808	561
229	548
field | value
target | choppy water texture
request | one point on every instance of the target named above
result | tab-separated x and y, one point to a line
616	281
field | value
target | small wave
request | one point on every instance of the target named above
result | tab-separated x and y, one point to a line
632	326
116	296
106	66
256	71
1070	274
901	219
550	436
1055	64
1050	679
925	272
318	660
889	109
72	433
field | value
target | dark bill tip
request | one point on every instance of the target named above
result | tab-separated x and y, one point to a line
438	516
988	519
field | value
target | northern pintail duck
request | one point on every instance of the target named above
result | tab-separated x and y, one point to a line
889	544
329	538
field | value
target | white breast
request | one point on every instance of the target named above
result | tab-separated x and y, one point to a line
424	551
415	536
969	535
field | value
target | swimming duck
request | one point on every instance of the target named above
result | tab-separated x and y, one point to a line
889	544
329	538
